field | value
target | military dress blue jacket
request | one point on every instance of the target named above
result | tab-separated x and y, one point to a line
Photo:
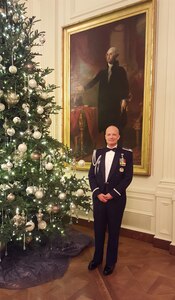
120	175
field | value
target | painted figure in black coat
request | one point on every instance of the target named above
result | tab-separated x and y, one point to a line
110	174
112	92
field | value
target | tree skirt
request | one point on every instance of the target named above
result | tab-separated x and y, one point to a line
23	269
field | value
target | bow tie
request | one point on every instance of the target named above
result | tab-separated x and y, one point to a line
109	149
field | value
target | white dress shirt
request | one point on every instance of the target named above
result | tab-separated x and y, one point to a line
108	162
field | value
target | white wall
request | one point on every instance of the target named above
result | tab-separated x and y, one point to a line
151	200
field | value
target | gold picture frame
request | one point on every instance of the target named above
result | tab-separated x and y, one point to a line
132	31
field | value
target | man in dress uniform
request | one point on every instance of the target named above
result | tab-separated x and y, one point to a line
110	174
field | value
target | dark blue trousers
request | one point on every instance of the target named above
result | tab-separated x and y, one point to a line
107	216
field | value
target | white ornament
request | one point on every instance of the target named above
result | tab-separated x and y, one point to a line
2	107
9	165
42	39
80	192
29	190
13	69
26	107
10	131
42	225
28	132
5	126
4	167
49	166
81	163
62	196
1	93
32	83
38	89
37	135
30	226
44	95
22	147
49	208
15	18
16	120
72	206
40	109
39	194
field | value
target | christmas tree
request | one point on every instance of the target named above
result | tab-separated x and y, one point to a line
39	189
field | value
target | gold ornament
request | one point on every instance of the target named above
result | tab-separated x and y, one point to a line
13	69
55	209
35	156
42	225
28	239
30	226
2	10
10	197
12	98
48	122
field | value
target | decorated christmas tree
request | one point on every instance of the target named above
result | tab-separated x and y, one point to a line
39	189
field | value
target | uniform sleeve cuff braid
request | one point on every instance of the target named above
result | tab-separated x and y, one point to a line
95	189
117	192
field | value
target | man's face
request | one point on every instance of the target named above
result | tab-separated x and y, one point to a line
110	56
112	136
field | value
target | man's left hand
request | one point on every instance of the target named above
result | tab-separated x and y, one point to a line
108	196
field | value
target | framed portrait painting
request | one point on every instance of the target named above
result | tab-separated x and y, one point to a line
130	31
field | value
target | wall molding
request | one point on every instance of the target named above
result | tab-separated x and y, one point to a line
137	235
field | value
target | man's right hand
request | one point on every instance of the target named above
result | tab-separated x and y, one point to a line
102	198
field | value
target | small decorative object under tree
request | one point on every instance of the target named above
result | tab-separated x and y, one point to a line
39	189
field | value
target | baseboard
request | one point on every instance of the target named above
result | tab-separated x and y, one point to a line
142	236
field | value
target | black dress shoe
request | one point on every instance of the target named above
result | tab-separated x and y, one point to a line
108	270
92	265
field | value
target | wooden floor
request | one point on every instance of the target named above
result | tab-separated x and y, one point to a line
142	273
